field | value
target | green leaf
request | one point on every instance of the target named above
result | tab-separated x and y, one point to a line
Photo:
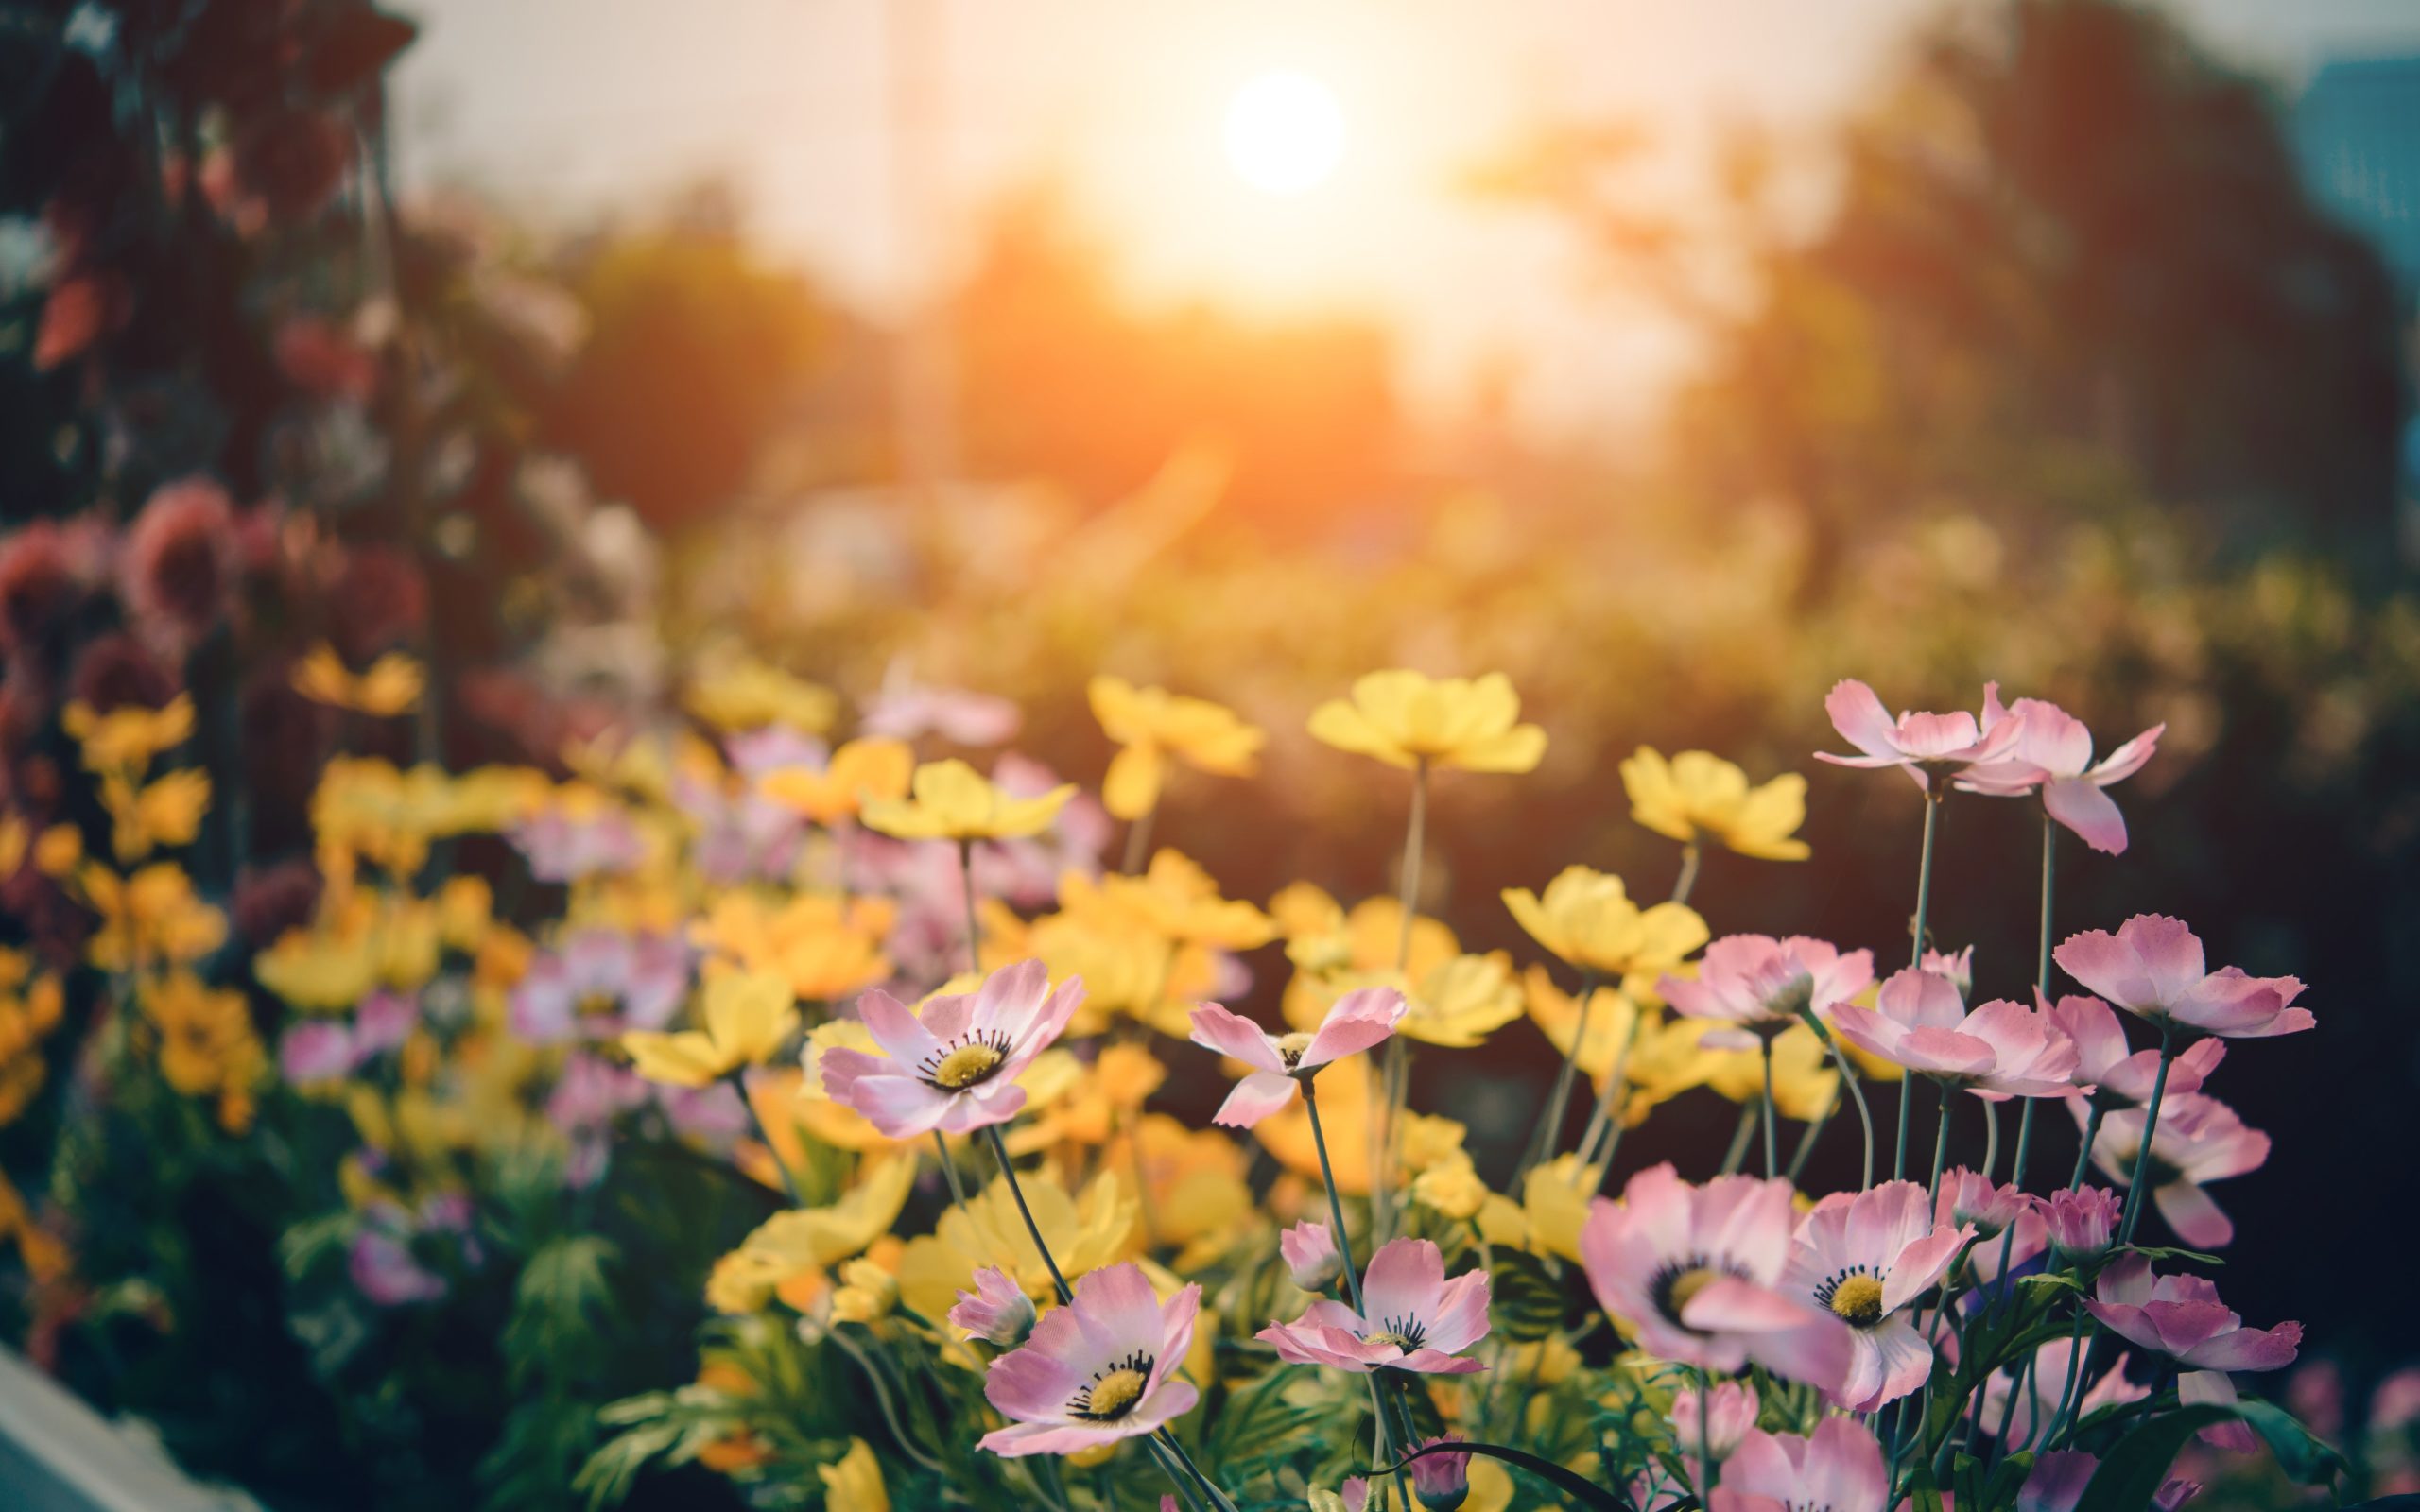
1586	1492
2300	1456
2131	1475
2166	1252
1524	1296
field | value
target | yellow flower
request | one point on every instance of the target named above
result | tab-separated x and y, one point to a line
1174	898
953	801
465	907
872	770
151	917
854	1483
867	1293
127	737
1195	1197
1322	941
15	840
1345	1091
810	1239
1457	1004
390	685
748	1016
1587	918
745	695
57	850
1403	719
1150	725
1554	1200
1804	1078
1453	1189
823	947
1083	1234
207	1046
169	812
1699	794
1613	1017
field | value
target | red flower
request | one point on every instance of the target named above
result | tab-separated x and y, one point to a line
179	570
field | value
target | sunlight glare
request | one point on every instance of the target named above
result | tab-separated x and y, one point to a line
1284	133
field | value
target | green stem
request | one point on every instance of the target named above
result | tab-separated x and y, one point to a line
2091	1137
1916	951
949	1169
1413	837
1548	1134
1001	1153
2151	1126
1740	1135
1683	884
1217	1498
1940	1141
1772	1146
974	930
1991	1137
2049	866
1334	1205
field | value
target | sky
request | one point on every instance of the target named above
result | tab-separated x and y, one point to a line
568	109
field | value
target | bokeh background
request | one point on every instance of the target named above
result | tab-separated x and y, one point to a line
1675	361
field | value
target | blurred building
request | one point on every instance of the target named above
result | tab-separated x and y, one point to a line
2357	128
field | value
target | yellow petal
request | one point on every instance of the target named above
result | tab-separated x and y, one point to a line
1131	789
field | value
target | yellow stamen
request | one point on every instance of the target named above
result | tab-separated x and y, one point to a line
1686	1285
1859	1299
1291	1047
965	1066
1114	1394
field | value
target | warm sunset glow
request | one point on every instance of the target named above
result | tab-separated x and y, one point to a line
1284	133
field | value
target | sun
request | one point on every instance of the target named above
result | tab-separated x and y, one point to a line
1284	133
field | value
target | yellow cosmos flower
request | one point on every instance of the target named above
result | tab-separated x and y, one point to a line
390	686
1323	941
1174	898
153	916
207	1046
1152	724
854	1483
743	695
871	771
1457	1004
953	801
1698	793
16	840
1452	1189
1588	919
59	851
166	812
867	1293
1404	718
1612	1019
823	947
129	737
1195	1197
748	1016
812	1239
1805	1081
1344	1088
1083	1234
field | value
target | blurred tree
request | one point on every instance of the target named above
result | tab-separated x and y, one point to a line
694	353
2065	238
1061	379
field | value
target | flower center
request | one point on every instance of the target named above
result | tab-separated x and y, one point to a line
1405	1334
1290	1048
595	1005
1678	1283
966	1061
1113	1392
1859	1299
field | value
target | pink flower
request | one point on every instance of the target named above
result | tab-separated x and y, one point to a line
2003	1216
1919	745
2082	1222
2000	1050
1415	1320
954	1065
2058	1480
2181	1316
178	572
2153	968
2115	1073
904	708
1697	1271
2037	1397
1758	982
1099	1369
316	1050
598	984
1836	1468
563	847
1863	1257
1357	1022
998	1310
1731	1411
1442	1480
2199	1139
2053	753
1309	1252
1959	966
384	1271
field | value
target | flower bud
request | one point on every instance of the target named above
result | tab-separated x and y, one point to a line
867	1293
1729	1411
2082	1223
998	1310
1311	1254
1442	1480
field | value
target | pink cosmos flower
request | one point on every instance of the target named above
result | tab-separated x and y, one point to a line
952	1065
1697	1271
1416	1320
1836	1468
1099	1369
1959	966
316	1050
2037	1397
739	837
2153	968
904	708
589	1095
1863	1257
2003	1216
1731	1411
2000	1050
2082	1222
1309	1252
2181	1316
563	847
384	1271
598	984
1916	743
2199	1139
998	1310
2053	753
1757	982
2058	1480
2112	1073
1357	1022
